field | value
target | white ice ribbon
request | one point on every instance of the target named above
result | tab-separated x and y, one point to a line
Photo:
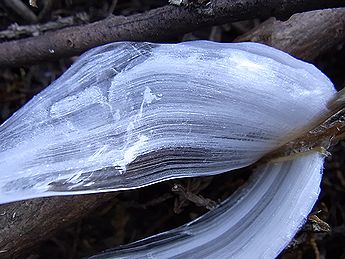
127	115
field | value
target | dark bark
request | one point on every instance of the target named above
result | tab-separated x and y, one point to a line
23	224
154	25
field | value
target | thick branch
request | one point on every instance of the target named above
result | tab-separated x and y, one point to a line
298	37
25	223
153	25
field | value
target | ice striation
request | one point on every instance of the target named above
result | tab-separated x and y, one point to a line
126	115
130	114
257	221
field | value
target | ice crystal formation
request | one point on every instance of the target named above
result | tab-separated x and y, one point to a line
126	115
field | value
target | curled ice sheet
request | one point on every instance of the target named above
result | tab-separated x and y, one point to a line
127	114
258	221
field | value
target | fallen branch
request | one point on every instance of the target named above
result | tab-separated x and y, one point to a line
298	37
154	25
23	224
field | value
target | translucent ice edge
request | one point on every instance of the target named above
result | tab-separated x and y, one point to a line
258	221
128	114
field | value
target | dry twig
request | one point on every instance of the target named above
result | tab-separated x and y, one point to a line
16	31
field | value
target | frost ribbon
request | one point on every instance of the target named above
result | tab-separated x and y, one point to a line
258	221
126	115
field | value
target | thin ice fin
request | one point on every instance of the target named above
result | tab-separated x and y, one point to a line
258	221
